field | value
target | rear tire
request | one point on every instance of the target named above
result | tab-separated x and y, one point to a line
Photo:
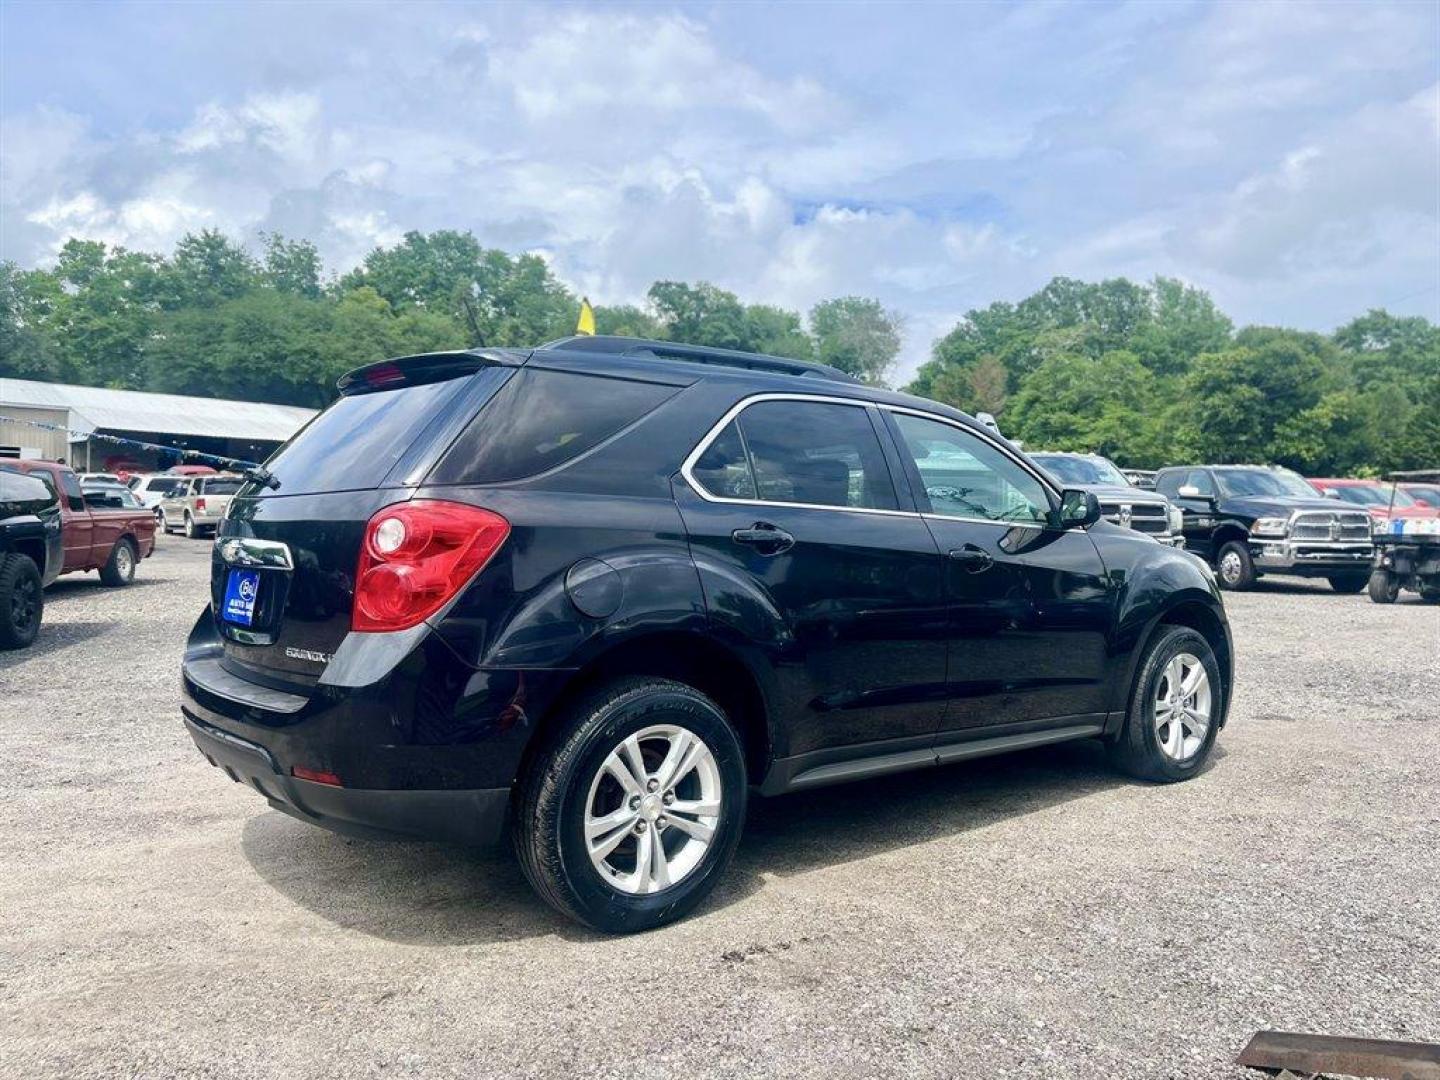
586	819
22	601
1234	568
1348	583
1384	588
191	532
119	569
1167	744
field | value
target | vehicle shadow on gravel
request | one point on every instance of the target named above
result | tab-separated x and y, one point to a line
435	894
68	589
57	636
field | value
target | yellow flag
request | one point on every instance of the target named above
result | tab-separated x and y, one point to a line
586	325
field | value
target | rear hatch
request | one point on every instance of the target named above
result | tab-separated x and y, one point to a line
285	557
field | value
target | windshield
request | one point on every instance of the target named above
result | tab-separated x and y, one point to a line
1081	470
1372	496
1241	482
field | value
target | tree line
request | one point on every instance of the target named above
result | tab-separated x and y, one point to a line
212	319
1149	374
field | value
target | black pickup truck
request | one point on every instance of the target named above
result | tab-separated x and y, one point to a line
31	554
1249	520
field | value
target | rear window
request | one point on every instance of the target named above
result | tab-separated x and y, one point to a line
227	485
163	484
541	419
359	439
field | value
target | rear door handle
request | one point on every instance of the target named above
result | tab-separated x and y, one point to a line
764	538
973	559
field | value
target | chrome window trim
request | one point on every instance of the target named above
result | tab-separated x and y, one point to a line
740	406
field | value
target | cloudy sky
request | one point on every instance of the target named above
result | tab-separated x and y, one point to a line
1284	157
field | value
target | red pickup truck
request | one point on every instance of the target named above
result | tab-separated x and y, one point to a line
95	532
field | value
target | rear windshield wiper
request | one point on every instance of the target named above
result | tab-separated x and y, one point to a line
260	475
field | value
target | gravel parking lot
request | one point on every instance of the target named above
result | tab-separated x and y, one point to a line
1034	915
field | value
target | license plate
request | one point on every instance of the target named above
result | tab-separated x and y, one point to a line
240	591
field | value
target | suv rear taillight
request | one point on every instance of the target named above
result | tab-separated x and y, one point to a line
200	504
416	556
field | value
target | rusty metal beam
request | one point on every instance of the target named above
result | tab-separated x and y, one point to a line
1334	1055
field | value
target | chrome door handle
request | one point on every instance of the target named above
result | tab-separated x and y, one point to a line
972	558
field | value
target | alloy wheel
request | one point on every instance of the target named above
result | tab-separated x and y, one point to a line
652	809
124	562
1183	703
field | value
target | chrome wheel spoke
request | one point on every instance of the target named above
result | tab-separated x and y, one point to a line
1190	683
669	771
694	807
617	767
697	829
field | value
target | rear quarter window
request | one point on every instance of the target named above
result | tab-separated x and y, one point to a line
540	420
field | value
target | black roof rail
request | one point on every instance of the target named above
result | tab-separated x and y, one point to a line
700	354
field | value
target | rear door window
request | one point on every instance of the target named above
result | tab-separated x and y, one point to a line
540	420
810	453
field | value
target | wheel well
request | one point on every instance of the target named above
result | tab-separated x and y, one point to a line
688	658
32	549
1225	534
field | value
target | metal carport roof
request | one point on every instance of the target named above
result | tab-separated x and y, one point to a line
94	407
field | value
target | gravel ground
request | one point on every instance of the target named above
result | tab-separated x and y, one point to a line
1029	916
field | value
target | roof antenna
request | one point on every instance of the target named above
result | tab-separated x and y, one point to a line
468	302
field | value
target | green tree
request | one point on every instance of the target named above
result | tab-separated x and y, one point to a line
700	314
857	335
293	266
208	269
1105	406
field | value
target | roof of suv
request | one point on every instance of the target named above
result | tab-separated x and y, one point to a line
638	357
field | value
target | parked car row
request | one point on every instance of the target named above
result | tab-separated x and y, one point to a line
192	501
1251	520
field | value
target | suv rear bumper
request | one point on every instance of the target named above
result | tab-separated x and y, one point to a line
465	816
1310	557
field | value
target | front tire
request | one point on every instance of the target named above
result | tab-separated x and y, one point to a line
1348	583
1175	709
119	569
1234	568
630	816
1384	587
22	601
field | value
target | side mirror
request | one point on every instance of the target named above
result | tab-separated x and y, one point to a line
1190	491
1078	508
1331	493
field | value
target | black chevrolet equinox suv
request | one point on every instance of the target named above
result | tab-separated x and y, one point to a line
597	593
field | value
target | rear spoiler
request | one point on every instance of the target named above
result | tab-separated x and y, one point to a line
425	368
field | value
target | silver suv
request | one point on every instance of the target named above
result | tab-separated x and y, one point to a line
196	506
